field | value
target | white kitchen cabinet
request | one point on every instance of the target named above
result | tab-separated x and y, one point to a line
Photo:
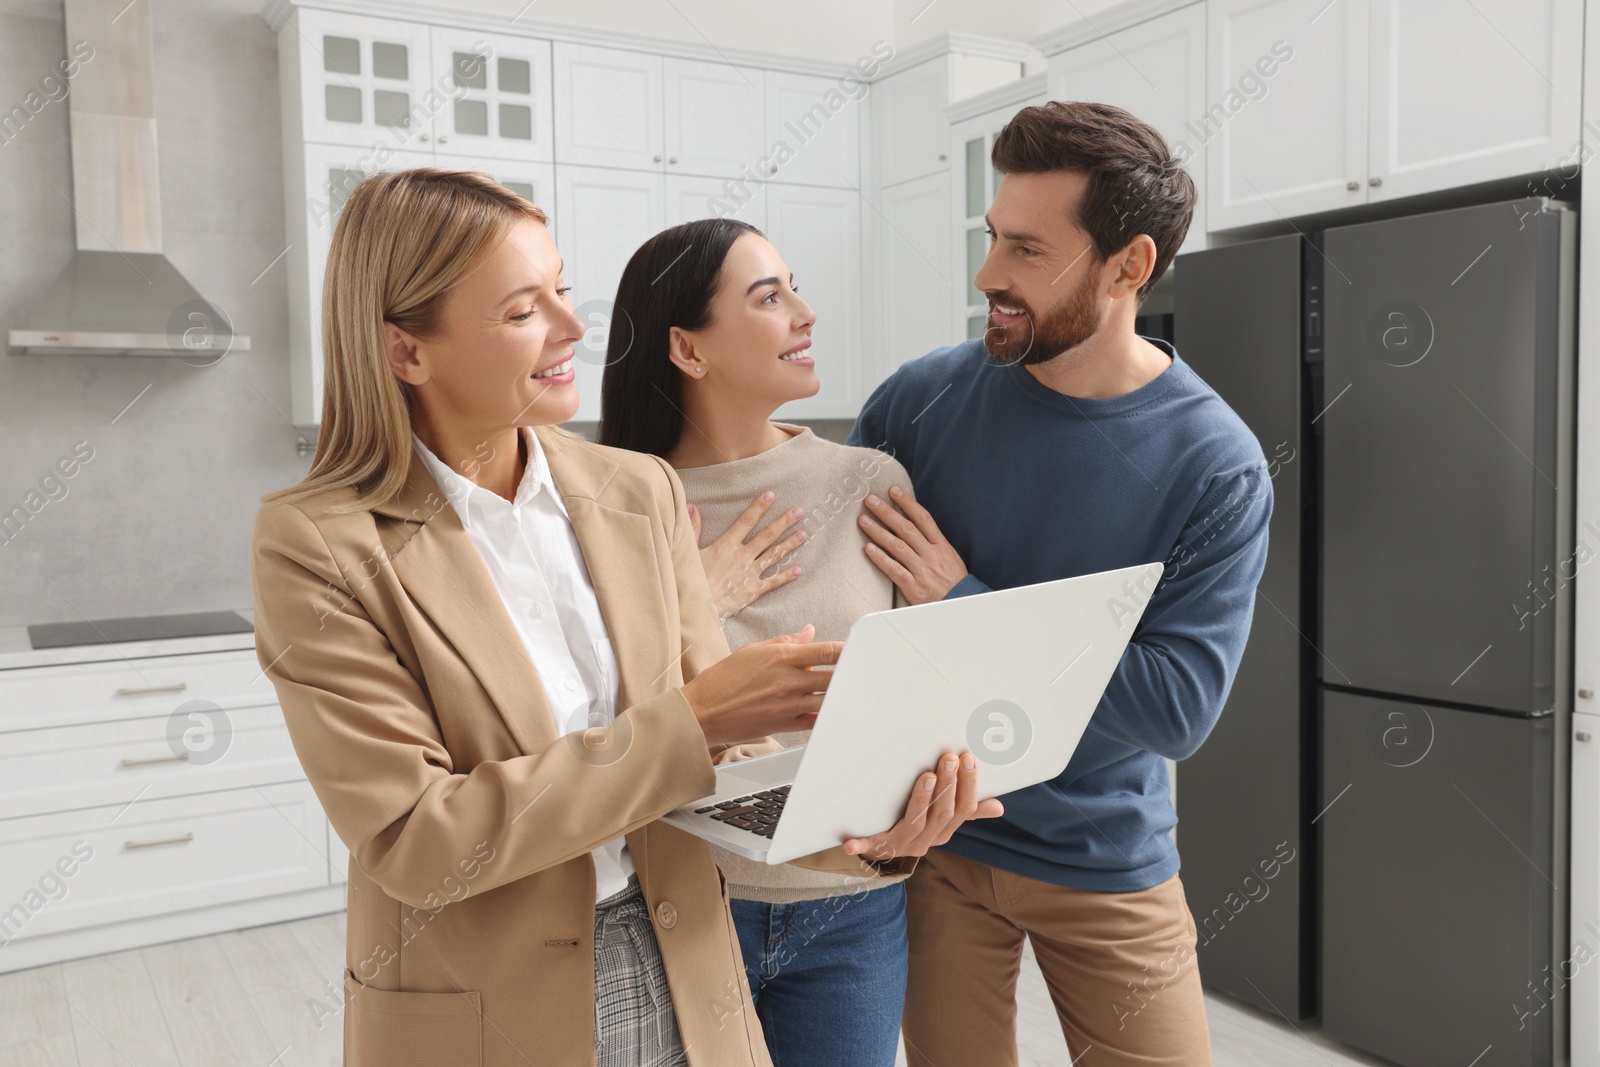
918	286
1157	71
608	107
1584	825
813	132
501	103
713	117
362	80
818	233
161	788
1292	141
636	111
709	198
910	136
168	855
1465	91
1584	925
1370	100
605	215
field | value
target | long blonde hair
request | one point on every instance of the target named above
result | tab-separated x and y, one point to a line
402	242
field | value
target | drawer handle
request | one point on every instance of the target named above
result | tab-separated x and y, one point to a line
183	839
154	759
177	688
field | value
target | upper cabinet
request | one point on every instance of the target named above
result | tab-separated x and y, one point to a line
1286	116
713	116
368	82
1157	71
361	79
500	107
813	132
636	111
1316	106
609	108
1464	91
910	138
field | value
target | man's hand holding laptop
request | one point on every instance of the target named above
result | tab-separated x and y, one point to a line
940	802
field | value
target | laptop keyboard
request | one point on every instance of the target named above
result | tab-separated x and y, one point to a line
757	812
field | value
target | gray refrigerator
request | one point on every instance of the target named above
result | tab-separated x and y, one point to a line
1405	717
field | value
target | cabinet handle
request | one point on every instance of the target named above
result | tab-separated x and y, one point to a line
424	137
772	170
1352	186
1586	694
180	840
1581	735
154	759
1374	181
942	157
658	159
180	687
672	159
444	138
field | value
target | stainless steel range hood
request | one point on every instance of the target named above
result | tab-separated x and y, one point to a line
119	295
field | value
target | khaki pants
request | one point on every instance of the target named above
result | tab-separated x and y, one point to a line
1121	969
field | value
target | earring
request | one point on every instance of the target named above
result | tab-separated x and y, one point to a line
699	370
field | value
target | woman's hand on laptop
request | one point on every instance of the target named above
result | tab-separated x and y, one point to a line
941	800
763	687
734	566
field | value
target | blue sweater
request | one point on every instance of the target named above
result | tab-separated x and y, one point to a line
1029	485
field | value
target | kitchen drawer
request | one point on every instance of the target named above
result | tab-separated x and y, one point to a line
104	865
60	768
32	697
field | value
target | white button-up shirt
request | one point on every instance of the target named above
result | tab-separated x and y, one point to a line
532	553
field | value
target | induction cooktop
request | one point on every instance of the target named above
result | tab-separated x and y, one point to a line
139	628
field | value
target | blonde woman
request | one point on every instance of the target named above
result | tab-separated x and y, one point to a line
496	655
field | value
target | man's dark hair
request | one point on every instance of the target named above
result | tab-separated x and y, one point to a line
1136	184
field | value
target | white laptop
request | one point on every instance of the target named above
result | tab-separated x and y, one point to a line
1013	675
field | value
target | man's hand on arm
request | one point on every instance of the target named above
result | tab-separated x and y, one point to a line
906	545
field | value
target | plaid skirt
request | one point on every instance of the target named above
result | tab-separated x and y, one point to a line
634	1024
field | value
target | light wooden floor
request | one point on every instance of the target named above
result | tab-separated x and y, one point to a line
249	999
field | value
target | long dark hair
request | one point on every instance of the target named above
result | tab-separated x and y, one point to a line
668	282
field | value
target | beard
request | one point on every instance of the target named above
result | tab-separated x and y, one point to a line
1039	339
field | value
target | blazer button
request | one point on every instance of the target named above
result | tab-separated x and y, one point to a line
666	915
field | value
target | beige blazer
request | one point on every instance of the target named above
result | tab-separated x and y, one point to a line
423	728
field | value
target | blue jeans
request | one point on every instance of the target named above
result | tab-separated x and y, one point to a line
828	976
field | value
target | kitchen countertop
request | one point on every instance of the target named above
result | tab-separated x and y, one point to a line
16	652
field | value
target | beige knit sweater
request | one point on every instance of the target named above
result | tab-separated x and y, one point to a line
838	584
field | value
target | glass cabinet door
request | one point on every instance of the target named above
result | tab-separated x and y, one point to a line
500	103
974	194
365	81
